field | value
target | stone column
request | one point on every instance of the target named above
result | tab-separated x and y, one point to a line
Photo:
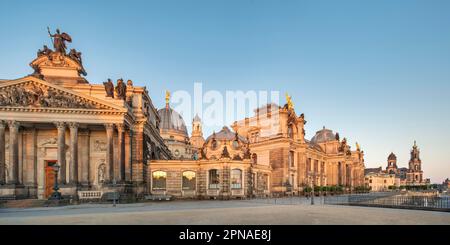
61	153
128	156
83	157
2	153
73	176
109	152
14	151
121	151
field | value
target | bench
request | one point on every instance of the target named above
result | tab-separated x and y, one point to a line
111	196
158	197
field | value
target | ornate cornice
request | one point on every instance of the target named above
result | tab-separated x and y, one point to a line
63	110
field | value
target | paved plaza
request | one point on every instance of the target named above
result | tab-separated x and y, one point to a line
251	212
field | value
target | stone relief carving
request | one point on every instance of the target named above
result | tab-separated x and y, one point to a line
40	96
50	141
101	171
99	145
6	170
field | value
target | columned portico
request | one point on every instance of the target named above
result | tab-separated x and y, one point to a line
14	151
56	117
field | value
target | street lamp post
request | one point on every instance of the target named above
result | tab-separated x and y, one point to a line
312	175
56	195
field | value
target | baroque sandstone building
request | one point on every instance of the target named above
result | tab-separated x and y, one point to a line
266	154
411	176
100	136
110	137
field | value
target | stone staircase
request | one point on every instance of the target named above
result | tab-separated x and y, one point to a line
25	203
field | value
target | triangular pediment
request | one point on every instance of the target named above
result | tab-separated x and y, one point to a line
55	59
31	92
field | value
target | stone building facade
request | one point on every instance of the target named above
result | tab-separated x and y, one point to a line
100	136
413	175
267	153
381	181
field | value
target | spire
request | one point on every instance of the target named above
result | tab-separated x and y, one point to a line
167	99
197	118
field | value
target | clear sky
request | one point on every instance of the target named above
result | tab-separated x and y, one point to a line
378	72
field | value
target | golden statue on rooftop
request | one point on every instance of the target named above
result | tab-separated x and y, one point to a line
290	104
167	97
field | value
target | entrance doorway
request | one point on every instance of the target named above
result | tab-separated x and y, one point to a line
49	178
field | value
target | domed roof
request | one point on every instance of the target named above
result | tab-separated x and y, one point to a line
225	134
172	120
392	156
323	135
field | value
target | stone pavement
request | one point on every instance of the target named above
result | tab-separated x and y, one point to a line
220	213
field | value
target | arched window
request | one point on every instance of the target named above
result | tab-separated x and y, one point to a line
189	182
236	179
214	145
213	179
159	180
291	159
235	144
290	132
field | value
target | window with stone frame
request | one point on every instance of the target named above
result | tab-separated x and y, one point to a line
189	180
235	145
159	179
236	179
265	181
290	132
214	181
214	145
291	159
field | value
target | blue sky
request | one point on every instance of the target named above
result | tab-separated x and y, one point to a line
375	71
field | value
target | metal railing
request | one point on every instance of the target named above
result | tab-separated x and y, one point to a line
393	200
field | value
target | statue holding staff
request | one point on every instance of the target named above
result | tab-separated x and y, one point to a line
59	40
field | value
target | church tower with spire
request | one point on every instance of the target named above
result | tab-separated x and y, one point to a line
392	164
414	176
197	139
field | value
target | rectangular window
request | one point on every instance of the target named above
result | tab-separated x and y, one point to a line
265	181
291	159
159	180
189	180
214	179
236	179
